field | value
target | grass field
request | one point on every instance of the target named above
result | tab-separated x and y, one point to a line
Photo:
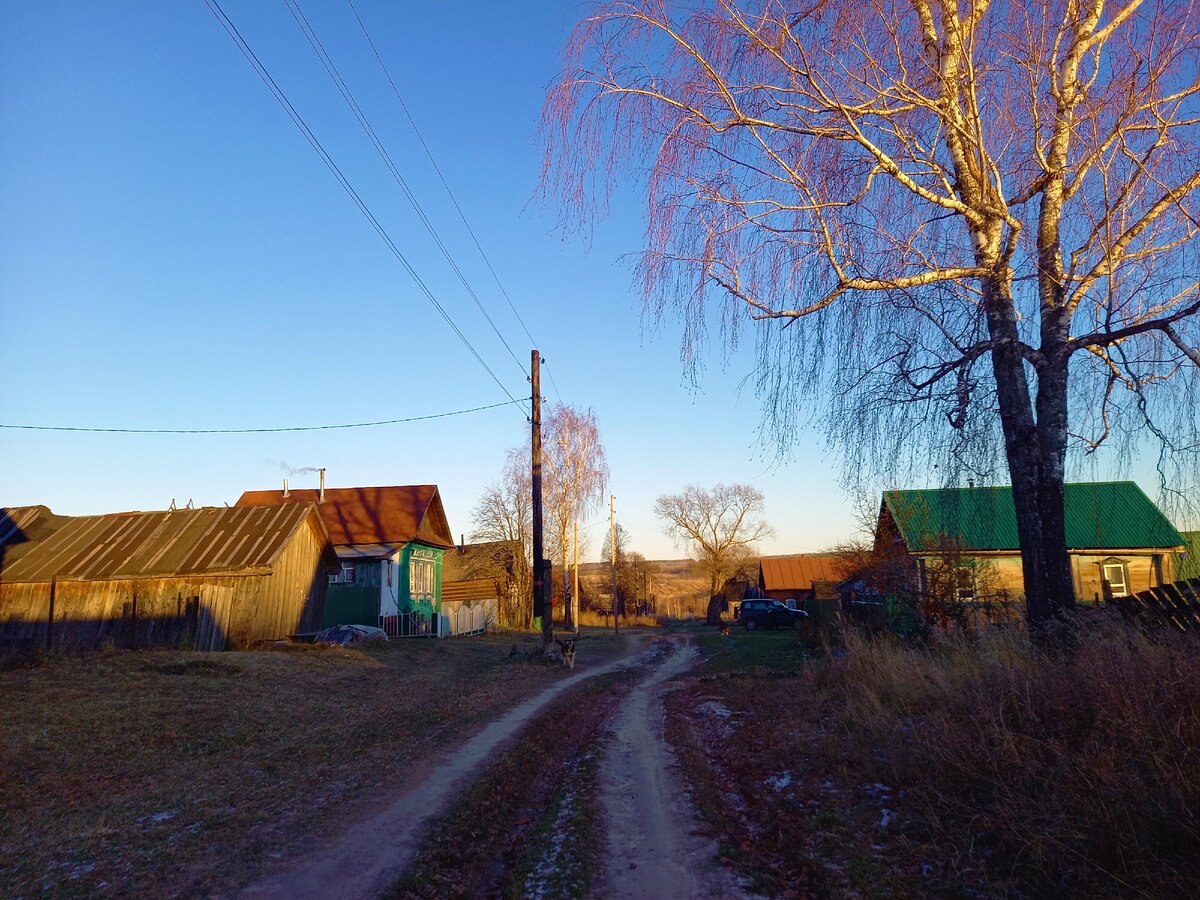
165	772
961	769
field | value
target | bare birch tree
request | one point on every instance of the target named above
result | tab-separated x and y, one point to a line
719	527
503	520
970	228
576	476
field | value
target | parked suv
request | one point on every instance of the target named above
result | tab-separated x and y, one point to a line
769	614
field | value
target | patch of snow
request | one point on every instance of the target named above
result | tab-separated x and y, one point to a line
885	817
712	708
79	870
539	882
780	781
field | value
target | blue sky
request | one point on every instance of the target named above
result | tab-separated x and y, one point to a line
173	254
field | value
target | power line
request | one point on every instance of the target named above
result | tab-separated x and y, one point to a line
299	122
446	184
457	412
348	95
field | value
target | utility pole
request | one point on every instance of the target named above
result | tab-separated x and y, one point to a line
539	569
612	548
575	579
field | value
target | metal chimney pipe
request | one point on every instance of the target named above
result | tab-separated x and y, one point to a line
322	471
285	489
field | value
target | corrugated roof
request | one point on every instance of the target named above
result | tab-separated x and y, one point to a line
206	541
797	573
1099	516
371	515
471	589
20	524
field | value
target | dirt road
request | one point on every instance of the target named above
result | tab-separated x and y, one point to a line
653	850
367	858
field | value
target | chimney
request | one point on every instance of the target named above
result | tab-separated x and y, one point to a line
286	494
322	471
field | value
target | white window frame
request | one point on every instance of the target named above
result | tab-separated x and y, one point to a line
1123	570
422	577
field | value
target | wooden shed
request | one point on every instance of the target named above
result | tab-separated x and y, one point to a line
209	578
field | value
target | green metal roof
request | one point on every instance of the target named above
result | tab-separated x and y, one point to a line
1189	564
1100	516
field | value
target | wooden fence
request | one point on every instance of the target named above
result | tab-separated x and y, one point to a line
1176	605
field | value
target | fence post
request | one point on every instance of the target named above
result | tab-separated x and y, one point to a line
50	618
133	619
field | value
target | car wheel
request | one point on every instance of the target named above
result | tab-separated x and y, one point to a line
751	624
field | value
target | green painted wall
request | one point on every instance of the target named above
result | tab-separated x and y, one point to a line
351	604
419	554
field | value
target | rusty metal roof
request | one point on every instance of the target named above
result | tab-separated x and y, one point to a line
797	573
208	541
371	515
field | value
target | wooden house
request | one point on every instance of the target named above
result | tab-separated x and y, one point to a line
803	576
805	580
1119	542
209	578
390	542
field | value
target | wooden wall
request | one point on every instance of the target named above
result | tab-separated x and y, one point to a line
205	612
1005	572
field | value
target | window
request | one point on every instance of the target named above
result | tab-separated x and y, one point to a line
1114	576
346	576
420	578
964	584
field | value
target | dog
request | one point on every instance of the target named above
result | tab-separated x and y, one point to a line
724	629
566	649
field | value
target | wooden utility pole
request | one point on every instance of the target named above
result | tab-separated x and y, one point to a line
612	552
539	569
575	579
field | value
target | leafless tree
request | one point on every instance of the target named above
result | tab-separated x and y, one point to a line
631	571
719	527
503	520
970	229
576	473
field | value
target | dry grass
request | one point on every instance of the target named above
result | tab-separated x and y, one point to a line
591	619
962	768
165	772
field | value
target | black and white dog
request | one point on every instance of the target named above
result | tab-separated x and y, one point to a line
566	650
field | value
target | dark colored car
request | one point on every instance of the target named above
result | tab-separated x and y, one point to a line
769	614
